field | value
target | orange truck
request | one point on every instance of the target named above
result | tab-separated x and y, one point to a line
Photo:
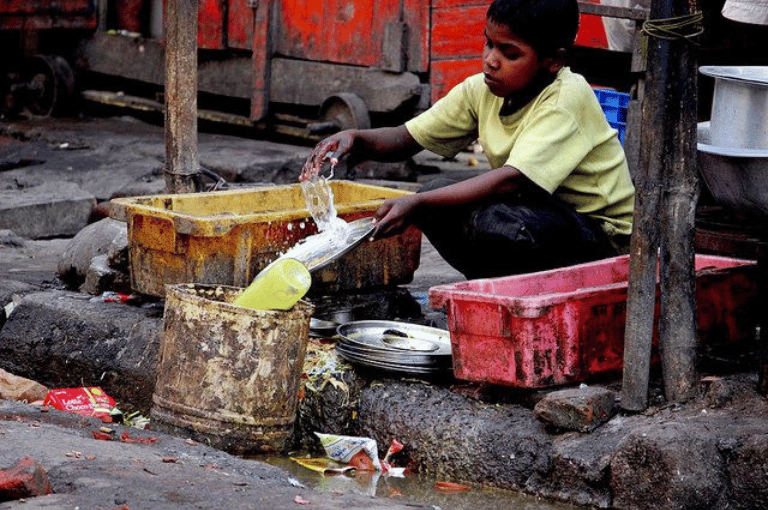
342	63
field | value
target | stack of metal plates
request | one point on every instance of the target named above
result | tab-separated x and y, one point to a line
396	346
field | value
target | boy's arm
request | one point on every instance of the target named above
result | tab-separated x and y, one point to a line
380	144
395	214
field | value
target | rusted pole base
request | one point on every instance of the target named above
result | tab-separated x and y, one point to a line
176	183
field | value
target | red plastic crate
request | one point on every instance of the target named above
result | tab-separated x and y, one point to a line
564	325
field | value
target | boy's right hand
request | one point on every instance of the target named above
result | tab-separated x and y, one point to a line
331	149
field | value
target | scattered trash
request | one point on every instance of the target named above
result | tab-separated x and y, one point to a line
114	297
345	449
452	487
127	438
108	435
347	453
300	501
8	309
101	435
136	420
394	447
86	401
324	466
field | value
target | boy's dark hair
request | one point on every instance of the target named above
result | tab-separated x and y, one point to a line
547	25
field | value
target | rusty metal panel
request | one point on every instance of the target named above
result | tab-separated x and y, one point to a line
47	14
442	4
45	22
417	22
457	43
210	29
339	31
239	24
458	32
446	74
48	7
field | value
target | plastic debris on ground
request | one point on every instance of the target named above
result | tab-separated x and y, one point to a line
352	453
451	487
86	401
115	297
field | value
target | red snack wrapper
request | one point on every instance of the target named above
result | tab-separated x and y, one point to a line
90	401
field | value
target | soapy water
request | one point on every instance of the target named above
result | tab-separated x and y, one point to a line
334	232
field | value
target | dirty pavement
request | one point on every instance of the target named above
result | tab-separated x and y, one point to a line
69	318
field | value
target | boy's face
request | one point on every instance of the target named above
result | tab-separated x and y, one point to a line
509	63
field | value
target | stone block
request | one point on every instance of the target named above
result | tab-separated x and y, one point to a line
668	465
747	470
13	387
582	409
62	339
105	237
52	209
101	277
24	480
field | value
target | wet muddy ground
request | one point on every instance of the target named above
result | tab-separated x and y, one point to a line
706	454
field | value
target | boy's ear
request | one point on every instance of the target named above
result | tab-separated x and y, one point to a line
555	63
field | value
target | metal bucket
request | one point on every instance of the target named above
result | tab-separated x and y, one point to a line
229	376
739	106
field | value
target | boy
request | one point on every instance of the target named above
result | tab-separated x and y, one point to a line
559	191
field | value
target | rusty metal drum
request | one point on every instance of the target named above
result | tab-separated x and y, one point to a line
226	375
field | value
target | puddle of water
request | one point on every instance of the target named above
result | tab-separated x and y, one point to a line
413	488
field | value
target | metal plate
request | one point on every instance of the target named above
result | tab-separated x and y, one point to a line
322	328
379	334
319	257
394	367
353	350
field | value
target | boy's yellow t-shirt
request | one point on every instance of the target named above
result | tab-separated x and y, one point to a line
561	140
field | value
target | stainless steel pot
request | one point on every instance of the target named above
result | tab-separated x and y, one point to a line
735	177
739	106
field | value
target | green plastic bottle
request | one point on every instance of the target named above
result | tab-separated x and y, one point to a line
277	287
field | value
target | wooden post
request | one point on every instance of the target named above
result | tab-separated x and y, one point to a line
677	322
667	192
181	153
261	57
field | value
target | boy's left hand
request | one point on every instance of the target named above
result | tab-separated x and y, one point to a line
394	216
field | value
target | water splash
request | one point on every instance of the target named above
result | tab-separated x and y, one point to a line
318	196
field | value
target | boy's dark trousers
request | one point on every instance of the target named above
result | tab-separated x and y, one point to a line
518	234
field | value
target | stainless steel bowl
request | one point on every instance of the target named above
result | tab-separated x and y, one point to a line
739	106
736	177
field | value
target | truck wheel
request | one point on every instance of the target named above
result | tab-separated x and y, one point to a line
345	110
47	85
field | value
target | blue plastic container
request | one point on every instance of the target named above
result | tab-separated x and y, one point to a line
614	106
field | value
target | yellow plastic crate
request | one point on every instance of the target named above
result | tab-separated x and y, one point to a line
227	237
